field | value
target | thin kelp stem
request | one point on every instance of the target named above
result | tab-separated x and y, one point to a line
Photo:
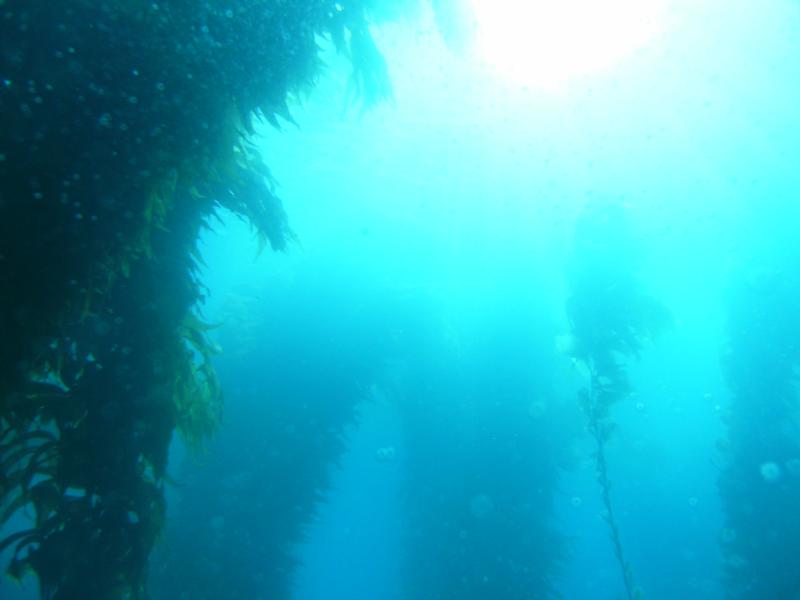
597	432
611	317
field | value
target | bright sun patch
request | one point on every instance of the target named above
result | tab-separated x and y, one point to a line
548	42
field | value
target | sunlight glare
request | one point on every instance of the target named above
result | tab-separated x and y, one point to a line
548	42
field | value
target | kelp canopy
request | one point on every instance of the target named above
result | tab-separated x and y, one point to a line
124	127
610	313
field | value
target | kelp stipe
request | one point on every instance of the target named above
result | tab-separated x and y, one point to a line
611	317
599	433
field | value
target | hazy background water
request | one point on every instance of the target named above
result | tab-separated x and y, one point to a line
470	183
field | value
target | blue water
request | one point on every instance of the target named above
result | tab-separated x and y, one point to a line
402	416
458	203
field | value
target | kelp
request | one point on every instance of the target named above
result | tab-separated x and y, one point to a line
98	492
123	128
611	318
243	511
485	435
758	482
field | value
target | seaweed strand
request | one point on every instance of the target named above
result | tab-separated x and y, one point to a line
596	431
611	318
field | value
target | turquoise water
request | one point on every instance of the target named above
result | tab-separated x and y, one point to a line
402	386
459	201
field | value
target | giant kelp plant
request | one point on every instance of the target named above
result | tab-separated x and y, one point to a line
242	513
124	126
611	317
484	438
760	479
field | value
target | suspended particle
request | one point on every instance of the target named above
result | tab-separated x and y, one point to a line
736	562
793	467
728	535
386	454
481	506
770	472
537	409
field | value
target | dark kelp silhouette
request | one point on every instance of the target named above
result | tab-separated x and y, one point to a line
484	440
760	478
319	347
124	127
611	318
